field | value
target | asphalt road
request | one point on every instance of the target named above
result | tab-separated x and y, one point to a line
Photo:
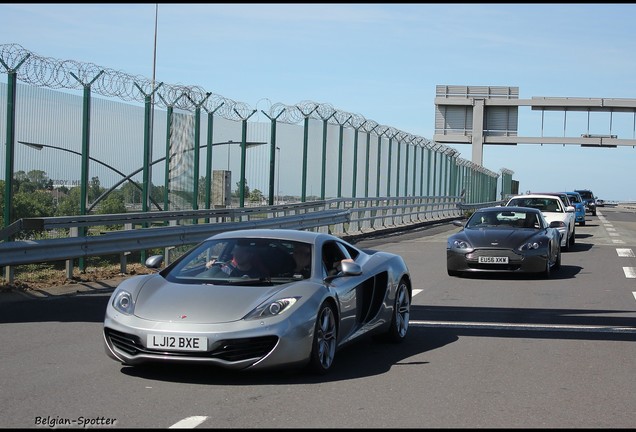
482	352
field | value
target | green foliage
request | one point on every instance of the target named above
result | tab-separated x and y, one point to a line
70	204
38	203
131	193
256	196
237	192
34	196
112	204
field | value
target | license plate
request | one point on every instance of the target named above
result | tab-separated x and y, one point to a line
493	260
177	343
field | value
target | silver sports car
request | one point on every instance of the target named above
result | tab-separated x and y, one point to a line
254	299
504	239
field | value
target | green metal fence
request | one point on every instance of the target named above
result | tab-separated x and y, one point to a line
99	130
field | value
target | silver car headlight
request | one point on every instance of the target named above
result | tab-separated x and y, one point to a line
529	246
123	302
272	308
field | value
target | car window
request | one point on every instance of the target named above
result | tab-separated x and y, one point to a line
332	254
504	219
552	206
243	262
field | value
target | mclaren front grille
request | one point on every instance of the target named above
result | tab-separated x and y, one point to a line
231	350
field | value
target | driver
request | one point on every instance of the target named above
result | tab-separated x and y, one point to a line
244	263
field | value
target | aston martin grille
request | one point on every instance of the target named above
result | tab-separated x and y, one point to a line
514	259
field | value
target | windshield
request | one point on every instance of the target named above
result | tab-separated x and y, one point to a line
550	205
241	261
586	194
504	219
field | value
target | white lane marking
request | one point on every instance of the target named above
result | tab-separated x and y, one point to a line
189	422
630	272
610	229
618	241
628	253
612	234
634	294
533	327
416	292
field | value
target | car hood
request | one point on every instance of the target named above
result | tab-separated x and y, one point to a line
160	300
503	237
556	216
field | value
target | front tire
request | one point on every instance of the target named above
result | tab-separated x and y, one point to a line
566	244
325	339
547	270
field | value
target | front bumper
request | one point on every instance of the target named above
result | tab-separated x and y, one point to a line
530	262
239	345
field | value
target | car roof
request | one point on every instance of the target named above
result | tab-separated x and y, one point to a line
534	196
510	208
273	233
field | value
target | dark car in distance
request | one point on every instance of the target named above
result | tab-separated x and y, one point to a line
589	199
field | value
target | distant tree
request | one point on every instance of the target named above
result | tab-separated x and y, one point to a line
156	193
40	179
256	196
70	204
33	204
94	189
31	181
113	203
237	192
131	193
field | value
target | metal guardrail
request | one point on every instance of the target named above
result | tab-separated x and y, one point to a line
116	242
340	217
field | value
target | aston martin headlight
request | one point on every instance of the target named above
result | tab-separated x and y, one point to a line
460	244
530	246
272	308
123	302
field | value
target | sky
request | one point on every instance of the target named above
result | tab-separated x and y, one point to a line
380	60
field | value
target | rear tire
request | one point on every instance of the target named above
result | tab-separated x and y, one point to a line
401	312
557	263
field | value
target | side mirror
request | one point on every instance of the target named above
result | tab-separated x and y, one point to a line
570	209
154	262
350	268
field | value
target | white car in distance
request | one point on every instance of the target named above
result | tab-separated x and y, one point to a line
553	209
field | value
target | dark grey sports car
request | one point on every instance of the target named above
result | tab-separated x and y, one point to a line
255	299
504	239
